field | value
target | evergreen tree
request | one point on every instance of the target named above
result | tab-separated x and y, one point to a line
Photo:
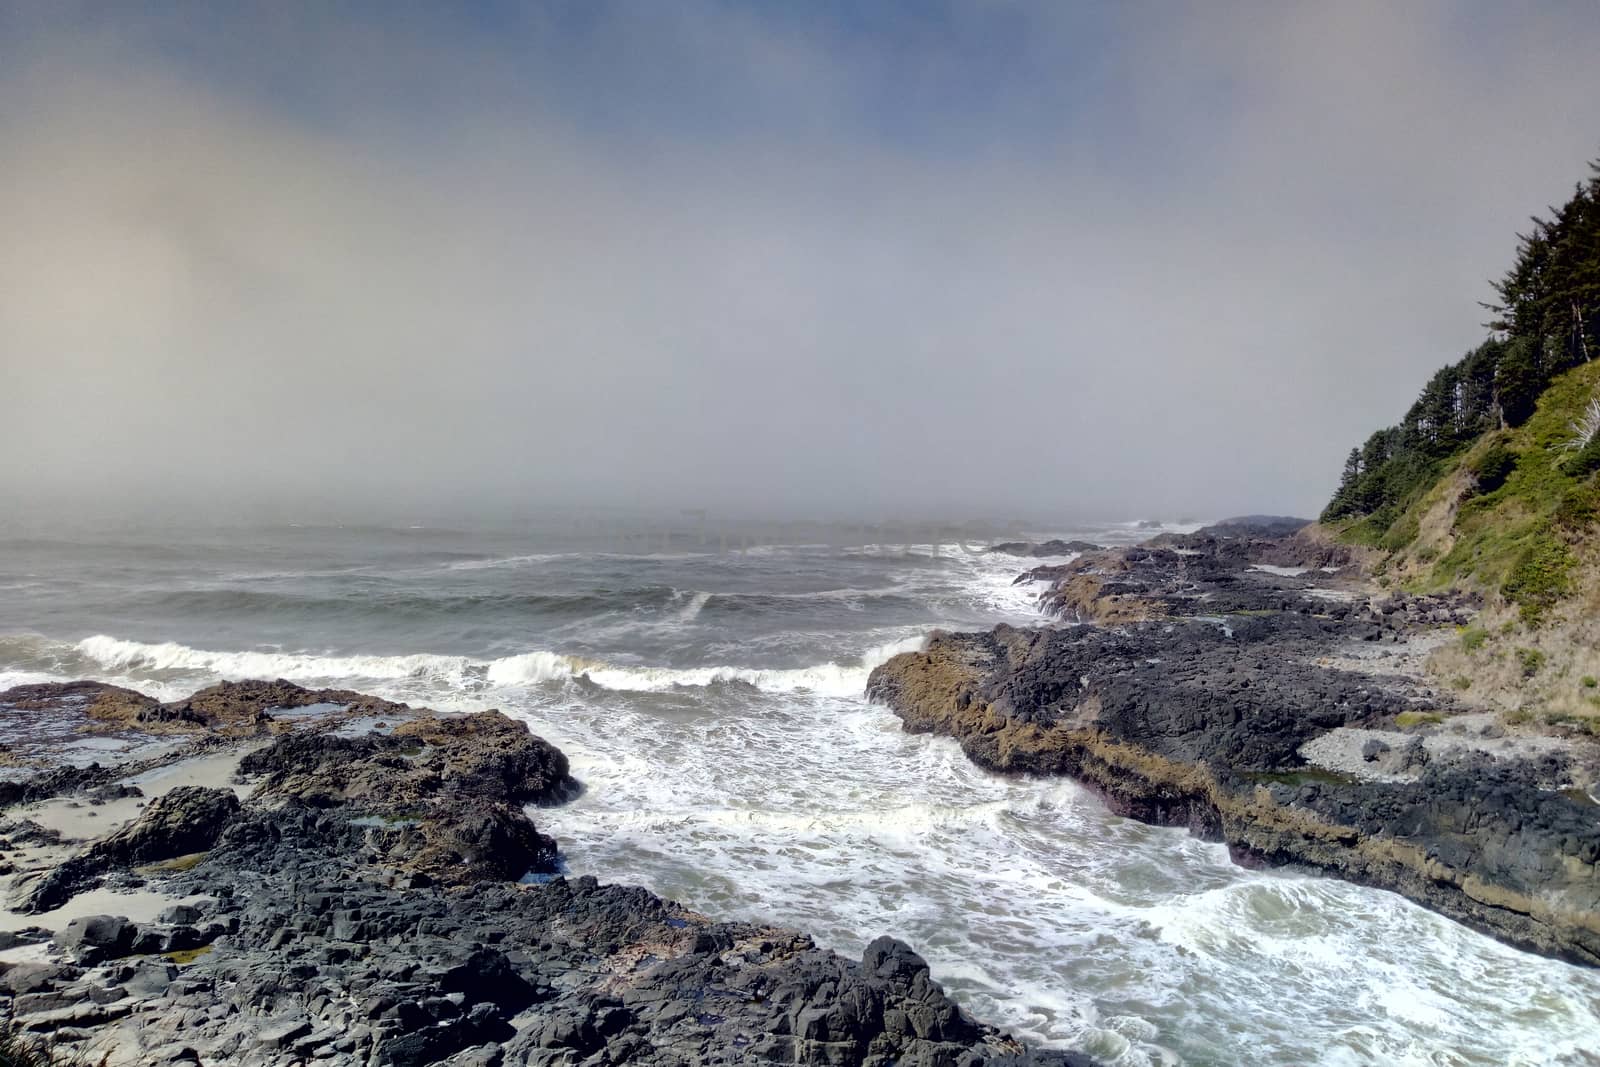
1518	381
1547	318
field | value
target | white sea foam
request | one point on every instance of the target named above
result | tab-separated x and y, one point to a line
691	611
11	678
1282	572
778	794
118	654
507	561
528	668
833	679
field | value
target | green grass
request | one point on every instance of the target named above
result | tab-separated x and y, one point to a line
1531	660
175	865
1589	681
1473	637
1417	718
185	956
1461	682
1514	538
1540	576
1588	724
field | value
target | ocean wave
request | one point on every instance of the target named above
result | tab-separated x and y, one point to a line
118	654
691	611
513	562
524	669
402	602
508	561
829	679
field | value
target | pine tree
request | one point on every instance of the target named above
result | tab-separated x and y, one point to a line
1545	320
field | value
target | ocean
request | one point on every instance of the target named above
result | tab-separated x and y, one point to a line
709	693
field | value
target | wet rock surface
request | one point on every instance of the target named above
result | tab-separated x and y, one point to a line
228	708
378	899
1195	701
185	821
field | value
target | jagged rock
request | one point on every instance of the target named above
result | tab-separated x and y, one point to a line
23	978
179	915
1255	526
96	937
182	822
486	754
361	908
246	706
1198	720
97	700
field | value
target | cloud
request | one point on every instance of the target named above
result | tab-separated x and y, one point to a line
1170	261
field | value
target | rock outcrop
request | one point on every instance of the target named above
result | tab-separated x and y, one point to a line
226	709
1201	722
185	821
382	897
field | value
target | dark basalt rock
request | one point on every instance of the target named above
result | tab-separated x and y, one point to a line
96	937
1199	723
247	705
486	755
95	699
362	908
185	821
1255	526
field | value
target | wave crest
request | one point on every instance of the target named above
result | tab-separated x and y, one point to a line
525	669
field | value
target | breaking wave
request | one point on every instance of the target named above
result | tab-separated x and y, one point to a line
525	669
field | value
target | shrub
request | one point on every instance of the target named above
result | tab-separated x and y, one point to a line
1473	637
1585	723
1590	681
1578	507
1403	531
1531	659
1492	467
1586	427
1461	681
1584	461
1539	577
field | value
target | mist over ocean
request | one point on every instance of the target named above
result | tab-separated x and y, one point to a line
711	702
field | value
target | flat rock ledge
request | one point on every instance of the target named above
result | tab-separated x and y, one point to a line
381	897
1209	679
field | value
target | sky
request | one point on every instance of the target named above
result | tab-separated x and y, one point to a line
791	259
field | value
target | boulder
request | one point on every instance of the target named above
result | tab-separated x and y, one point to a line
92	938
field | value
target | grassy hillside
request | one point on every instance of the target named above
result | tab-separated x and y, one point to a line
1491	483
1506	514
1515	517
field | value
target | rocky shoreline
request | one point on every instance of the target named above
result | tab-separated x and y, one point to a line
359	882
1249	685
